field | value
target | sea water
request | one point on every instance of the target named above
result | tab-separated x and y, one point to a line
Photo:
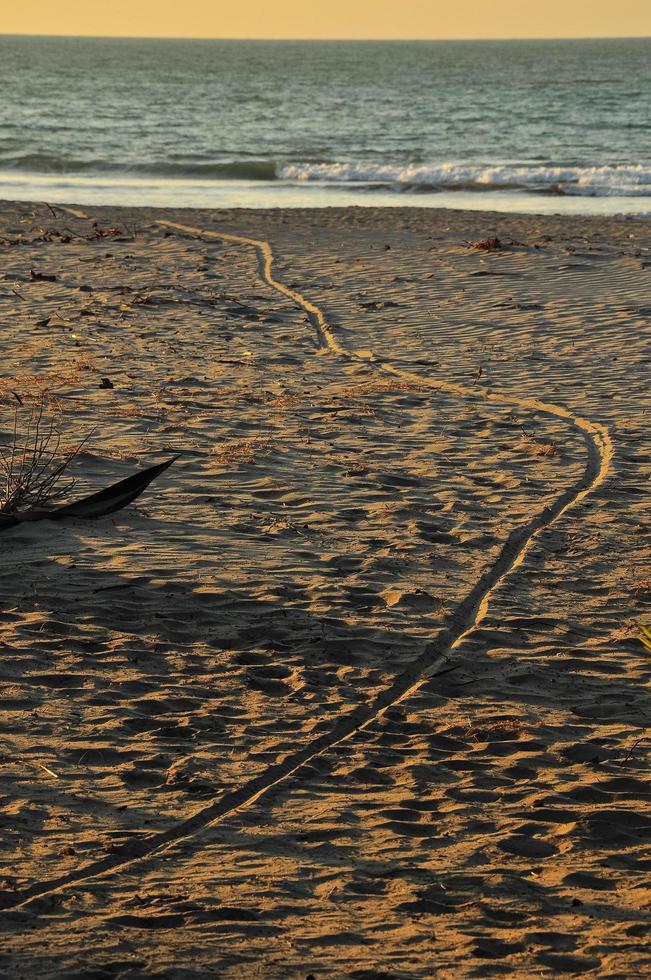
545	126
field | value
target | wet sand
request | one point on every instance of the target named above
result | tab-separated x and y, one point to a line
354	689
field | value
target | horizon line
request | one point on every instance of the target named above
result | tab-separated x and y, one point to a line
413	40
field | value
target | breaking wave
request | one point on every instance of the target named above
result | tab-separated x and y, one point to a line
603	181
632	180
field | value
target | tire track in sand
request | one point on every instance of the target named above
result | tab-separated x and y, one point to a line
463	621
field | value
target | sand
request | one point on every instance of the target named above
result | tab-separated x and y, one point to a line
354	688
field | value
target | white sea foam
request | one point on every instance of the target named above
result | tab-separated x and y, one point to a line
602	181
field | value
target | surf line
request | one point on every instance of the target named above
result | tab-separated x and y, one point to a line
467	615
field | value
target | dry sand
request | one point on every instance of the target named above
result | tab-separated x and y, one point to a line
220	756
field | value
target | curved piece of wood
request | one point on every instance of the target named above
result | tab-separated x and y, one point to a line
99	504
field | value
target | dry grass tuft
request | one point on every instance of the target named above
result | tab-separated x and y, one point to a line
537	447
544	449
244	451
494	730
37	388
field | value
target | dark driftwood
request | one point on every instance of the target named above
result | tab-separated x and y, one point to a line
98	504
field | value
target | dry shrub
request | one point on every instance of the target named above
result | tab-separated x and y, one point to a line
33	466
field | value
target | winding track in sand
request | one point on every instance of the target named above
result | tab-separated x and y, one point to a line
463	621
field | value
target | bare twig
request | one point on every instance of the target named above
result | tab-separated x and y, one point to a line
629	755
33	466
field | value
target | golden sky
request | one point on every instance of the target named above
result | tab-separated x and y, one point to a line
329	19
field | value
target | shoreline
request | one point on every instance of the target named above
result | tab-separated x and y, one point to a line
457	219
163	192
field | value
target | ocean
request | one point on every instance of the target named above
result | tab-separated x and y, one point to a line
539	126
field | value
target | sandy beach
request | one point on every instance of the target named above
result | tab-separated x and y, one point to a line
354	689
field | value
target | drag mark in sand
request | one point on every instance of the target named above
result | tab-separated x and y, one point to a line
463	621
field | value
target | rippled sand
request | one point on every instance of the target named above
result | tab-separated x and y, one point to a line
192	657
